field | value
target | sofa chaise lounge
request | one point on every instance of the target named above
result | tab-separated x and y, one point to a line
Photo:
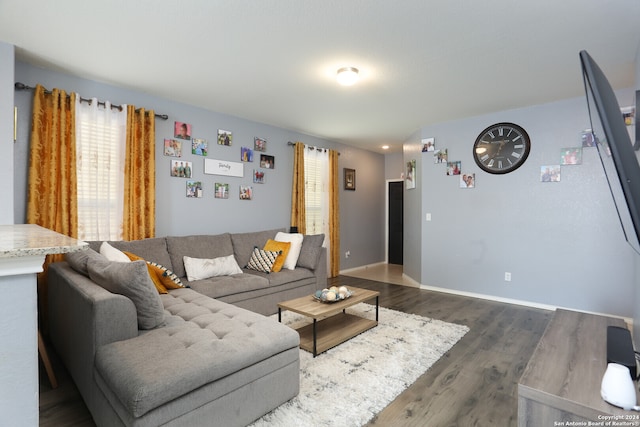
209	356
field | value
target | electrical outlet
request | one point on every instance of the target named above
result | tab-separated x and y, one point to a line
507	276
428	217
347	254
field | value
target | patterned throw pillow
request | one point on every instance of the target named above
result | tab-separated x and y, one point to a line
167	277
262	260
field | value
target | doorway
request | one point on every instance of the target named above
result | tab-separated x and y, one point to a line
395	221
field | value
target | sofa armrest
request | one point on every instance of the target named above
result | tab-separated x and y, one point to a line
83	317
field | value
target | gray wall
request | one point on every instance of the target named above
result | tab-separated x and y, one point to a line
361	218
361	211
393	165
412	245
561	242
6	131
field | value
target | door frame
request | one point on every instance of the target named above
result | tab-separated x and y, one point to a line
386	217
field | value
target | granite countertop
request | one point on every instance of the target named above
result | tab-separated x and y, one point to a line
20	240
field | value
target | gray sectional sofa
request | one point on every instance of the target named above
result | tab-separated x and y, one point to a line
203	355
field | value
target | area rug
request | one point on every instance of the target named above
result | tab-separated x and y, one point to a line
349	384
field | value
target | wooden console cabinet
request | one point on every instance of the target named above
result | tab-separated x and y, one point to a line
562	381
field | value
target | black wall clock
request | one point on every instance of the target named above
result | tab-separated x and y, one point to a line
501	148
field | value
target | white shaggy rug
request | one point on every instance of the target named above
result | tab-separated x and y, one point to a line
349	384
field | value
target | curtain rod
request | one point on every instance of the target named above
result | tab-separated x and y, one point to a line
311	147
22	86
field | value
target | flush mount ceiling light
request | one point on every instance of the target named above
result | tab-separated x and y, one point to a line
347	76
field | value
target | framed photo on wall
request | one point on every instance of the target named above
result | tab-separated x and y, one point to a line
349	179
259	144
267	162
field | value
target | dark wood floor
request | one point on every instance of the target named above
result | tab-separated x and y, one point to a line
474	384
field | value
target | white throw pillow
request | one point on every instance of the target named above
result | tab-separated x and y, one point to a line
113	254
294	252
201	268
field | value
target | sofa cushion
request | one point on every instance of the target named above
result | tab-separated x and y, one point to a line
207	339
296	244
199	268
283	248
262	260
243	243
221	286
283	277
197	246
132	280
310	251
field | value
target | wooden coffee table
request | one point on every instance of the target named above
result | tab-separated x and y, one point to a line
331	324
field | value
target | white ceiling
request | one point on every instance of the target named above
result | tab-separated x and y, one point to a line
274	61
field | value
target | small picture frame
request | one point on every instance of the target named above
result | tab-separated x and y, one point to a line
571	156
267	162
454	167
259	144
440	156
349	179
410	177
221	190
468	180
246	192
172	148
246	154
194	189
182	130
199	146
225	137
181	169
428	144
258	176
550	173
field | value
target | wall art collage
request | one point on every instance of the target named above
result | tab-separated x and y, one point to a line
183	142
567	156
453	167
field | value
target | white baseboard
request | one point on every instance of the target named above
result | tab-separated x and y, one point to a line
524	303
531	304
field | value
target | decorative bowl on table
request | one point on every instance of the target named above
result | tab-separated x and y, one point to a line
332	294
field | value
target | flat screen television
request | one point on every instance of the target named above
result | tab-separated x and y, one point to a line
615	148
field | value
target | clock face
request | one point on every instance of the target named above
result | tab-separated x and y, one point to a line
501	148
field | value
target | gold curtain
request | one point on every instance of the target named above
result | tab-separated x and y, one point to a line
334	213
139	221
52	191
298	212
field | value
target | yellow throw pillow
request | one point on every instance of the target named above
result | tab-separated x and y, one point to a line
152	273
283	248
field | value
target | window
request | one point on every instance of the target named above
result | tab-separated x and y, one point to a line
316	176
100	157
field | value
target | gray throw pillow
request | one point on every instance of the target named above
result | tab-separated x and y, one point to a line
311	248
132	280
79	260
